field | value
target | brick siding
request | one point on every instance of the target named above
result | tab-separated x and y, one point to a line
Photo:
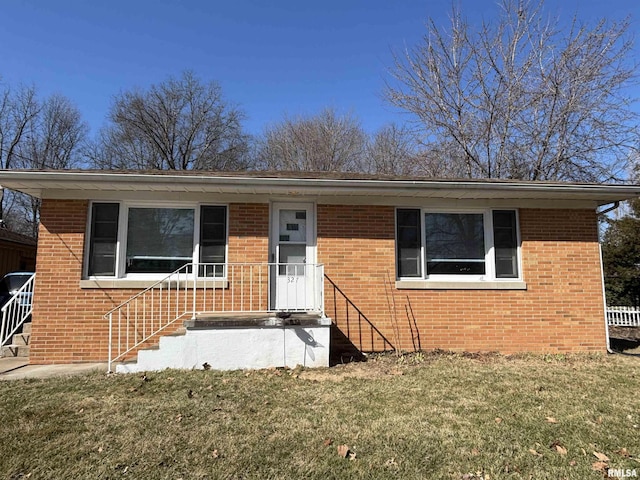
561	310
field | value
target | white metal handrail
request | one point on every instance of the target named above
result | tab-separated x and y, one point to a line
16	311
198	288
623	316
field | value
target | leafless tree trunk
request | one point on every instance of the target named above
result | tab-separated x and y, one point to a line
179	124
521	98
324	142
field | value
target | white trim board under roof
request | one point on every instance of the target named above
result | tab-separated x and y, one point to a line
92	184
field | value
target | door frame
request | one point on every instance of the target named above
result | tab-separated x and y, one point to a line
311	258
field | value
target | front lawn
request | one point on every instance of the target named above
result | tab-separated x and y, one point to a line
437	416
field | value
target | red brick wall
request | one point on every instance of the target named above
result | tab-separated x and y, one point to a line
68	323
561	310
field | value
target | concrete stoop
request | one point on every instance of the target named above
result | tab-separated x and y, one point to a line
224	345
19	346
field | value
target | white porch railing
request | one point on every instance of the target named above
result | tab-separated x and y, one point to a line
213	288
623	316
16	311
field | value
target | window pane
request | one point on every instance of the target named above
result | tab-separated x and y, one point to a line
408	243
505	243
293	226
294	256
103	239
213	240
455	243
159	240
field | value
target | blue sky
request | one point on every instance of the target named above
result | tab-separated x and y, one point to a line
271	58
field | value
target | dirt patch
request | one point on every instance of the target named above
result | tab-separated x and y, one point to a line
362	370
625	333
625	339
382	365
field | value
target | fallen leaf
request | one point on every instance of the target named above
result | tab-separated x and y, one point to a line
599	466
551	420
327	442
624	452
534	452
391	463
475	452
573	463
561	450
100	449
215	453
343	450
599	420
498	420
178	418
601	456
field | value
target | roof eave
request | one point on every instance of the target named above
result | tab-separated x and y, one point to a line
38	183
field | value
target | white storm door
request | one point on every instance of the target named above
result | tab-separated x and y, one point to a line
293	253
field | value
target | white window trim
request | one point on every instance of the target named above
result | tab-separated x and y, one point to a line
138	280
449	281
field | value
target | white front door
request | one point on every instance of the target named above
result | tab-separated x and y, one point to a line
293	256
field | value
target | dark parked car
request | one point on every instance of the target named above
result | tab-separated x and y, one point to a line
11	283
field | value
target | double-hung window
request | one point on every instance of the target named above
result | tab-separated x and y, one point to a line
142	240
473	245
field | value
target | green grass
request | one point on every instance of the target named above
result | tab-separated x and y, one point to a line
420	416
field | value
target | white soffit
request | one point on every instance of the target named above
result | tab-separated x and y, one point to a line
86	184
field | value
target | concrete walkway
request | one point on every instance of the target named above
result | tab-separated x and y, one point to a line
13	368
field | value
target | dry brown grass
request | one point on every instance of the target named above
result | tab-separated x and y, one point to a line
419	416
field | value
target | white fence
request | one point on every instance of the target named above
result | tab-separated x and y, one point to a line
623	316
16	311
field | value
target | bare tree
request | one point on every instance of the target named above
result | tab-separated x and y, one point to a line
179	124
37	135
393	150
54	136
520	97
18	109
53	140
326	142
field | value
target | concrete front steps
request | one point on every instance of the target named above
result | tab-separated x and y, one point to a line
19	346
239	342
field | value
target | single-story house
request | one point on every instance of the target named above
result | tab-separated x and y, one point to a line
381	262
17	252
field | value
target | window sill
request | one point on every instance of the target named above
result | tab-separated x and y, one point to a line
141	284
461	285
